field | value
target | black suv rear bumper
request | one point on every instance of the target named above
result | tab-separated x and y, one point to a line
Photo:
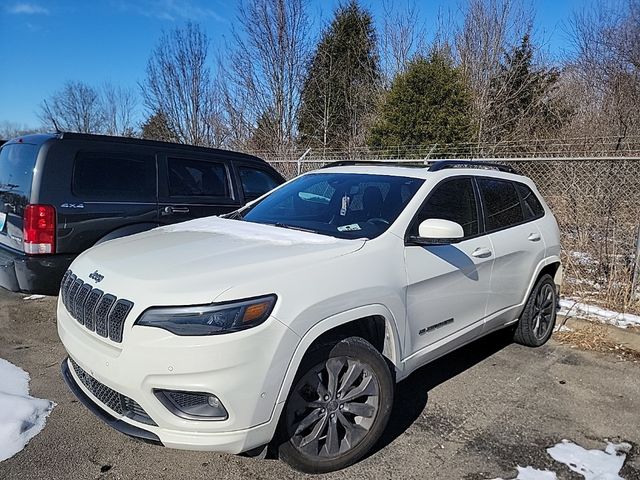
32	273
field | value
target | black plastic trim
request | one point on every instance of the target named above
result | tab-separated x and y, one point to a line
119	425
169	404
444	164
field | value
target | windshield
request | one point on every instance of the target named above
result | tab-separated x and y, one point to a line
16	171
343	205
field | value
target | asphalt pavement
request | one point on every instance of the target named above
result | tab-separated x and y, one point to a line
474	414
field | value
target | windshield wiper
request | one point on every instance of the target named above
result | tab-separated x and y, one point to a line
293	227
235	215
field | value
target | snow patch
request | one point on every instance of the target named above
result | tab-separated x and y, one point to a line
250	231
573	308
33	297
591	464
21	417
530	473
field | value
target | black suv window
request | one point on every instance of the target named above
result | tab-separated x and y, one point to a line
16	171
256	182
532	206
117	177
452	200
195	178
501	203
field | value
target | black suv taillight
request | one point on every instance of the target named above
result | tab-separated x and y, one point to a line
39	229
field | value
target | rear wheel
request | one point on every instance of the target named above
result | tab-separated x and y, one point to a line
539	315
338	407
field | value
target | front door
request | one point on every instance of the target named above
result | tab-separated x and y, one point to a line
448	285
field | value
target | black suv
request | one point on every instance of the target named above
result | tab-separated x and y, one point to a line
63	193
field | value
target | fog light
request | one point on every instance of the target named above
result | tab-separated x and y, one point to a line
192	405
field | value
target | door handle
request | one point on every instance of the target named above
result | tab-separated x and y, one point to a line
533	237
169	210
481	252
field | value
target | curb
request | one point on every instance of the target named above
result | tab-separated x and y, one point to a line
628	337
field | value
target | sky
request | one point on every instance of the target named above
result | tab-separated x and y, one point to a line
44	43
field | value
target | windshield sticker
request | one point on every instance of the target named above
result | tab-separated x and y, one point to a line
354	227
345	206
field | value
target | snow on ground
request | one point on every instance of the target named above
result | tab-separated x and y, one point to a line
249	231
33	297
21	416
530	473
572	308
591	464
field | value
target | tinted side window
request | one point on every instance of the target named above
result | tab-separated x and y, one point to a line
16	171
195	178
532	206
453	200
501	203
255	182
113	176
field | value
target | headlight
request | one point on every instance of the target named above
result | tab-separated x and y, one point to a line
210	319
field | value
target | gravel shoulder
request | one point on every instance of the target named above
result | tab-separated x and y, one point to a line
474	414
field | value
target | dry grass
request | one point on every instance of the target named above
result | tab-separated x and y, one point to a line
594	338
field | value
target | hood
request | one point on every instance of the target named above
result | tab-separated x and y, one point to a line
196	261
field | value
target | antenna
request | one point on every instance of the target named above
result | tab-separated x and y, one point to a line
51	117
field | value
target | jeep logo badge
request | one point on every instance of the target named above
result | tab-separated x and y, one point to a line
96	277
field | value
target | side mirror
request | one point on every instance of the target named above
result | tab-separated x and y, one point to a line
436	231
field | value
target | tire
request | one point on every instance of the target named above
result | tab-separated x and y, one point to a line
319	432
539	315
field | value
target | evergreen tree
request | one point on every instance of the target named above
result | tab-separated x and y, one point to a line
522	96
339	91
427	104
156	127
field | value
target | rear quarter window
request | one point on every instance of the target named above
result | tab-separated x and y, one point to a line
114	177
530	203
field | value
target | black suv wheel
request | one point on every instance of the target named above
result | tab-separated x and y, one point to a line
539	315
338	407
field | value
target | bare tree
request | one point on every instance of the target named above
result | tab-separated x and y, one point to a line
76	107
10	130
179	85
119	106
489	30
605	70
265	72
403	36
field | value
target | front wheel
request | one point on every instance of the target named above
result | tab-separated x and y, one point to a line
539	315
338	407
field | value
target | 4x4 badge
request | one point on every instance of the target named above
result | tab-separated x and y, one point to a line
96	277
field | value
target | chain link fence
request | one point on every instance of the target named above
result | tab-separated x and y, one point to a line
592	186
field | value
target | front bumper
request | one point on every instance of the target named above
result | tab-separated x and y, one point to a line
32	273
245	370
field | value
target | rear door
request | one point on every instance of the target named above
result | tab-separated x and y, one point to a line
517	243
17	162
110	190
193	186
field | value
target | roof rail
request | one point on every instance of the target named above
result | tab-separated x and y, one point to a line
388	163
443	164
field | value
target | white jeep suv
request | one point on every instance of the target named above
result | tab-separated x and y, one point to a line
289	322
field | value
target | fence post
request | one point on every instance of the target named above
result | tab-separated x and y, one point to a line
299	161
636	268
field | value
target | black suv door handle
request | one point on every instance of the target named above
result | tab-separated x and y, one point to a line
169	210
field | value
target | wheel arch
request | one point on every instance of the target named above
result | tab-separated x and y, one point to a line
374	323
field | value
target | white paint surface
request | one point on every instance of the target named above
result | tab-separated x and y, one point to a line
21	417
249	231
